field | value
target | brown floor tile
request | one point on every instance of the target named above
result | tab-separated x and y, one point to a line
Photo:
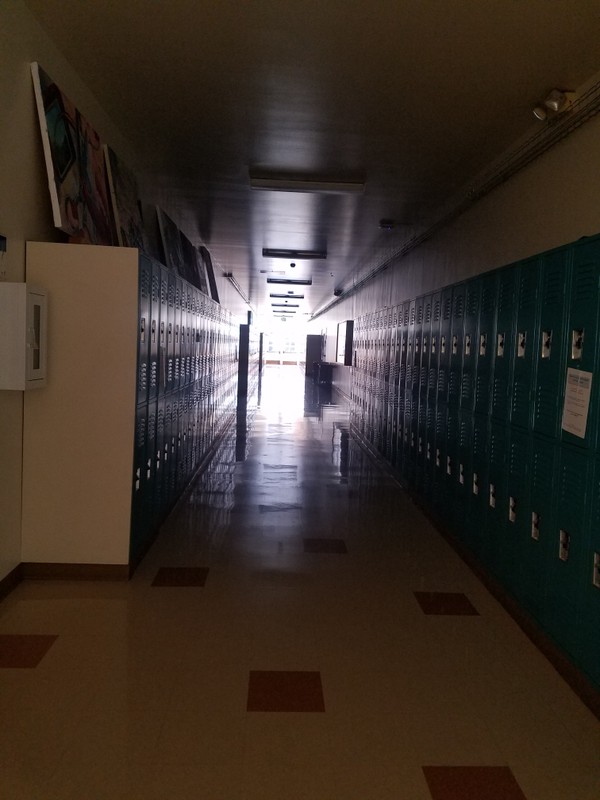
451	603
472	783
23	651
325	546
285	691
181	576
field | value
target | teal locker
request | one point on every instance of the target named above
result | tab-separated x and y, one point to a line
451	465
144	321
425	347
477	487
163	330
550	351
439	458
456	345
158	492
504	344
470	341
429	459
464	466
517	515
525	344
177	377
444	348
434	349
486	345
140	518
588	627
569	561
497	496
170	448
582	330
171	292
539	527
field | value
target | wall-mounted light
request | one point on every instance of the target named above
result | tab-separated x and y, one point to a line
293	182
556	101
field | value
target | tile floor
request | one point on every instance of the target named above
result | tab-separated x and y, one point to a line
326	649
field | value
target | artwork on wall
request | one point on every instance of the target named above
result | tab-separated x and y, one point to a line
75	164
125	202
214	292
195	270
172	246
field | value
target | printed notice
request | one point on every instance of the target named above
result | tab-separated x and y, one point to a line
577	402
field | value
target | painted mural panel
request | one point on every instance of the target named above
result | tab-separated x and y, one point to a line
75	164
125	202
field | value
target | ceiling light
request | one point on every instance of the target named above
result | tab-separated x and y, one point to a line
291	281
290	295
540	113
275	252
293	182
556	101
285	305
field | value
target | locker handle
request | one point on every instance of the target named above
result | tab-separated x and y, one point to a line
143	330
546	343
577	336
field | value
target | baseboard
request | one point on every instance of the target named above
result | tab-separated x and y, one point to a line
10	581
37	570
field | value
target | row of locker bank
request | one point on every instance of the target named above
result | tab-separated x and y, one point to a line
187	383
463	392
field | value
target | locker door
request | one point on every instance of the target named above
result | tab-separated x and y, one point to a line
464	468
456	345
470	339
486	345
569	548
589	614
154	375
582	331
158	497
476	522
172	284
140	521
526	344
551	343
163	330
177	373
450	468
517	517
538	542
144	317
423	464
439	457
444	345
504	344
497	496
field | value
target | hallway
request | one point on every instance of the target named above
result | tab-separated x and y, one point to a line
329	645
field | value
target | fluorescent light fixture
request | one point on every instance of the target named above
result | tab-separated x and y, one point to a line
291	281
289	296
285	305
282	311
275	252
294	182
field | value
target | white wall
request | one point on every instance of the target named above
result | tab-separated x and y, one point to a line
25	212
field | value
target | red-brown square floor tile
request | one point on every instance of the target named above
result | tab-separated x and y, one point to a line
181	576
23	651
451	603
285	691
472	783
325	546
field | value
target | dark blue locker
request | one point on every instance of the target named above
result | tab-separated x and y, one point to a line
439	458
470	343
551	343
477	487
434	350
464	468
444	345
451	467
144	322
163	330
526	344
582	334
172	290
504	344
154	374
456	345
158	493
486	345
497	495
140	507
177	373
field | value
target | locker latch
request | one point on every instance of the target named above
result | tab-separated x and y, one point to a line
596	578
442	344
417	346
428	451
467	344
564	544
448	465
425	341
475	483
461	474
420	444
492	496
512	509
500	346
546	343
521	342
153	330
577	344
535	525
143	330
454	345
412	439
482	343
433	343
162	334
137	479
438	457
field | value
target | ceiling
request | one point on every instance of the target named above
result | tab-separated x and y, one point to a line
414	97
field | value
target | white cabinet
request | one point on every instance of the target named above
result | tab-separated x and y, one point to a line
23	331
